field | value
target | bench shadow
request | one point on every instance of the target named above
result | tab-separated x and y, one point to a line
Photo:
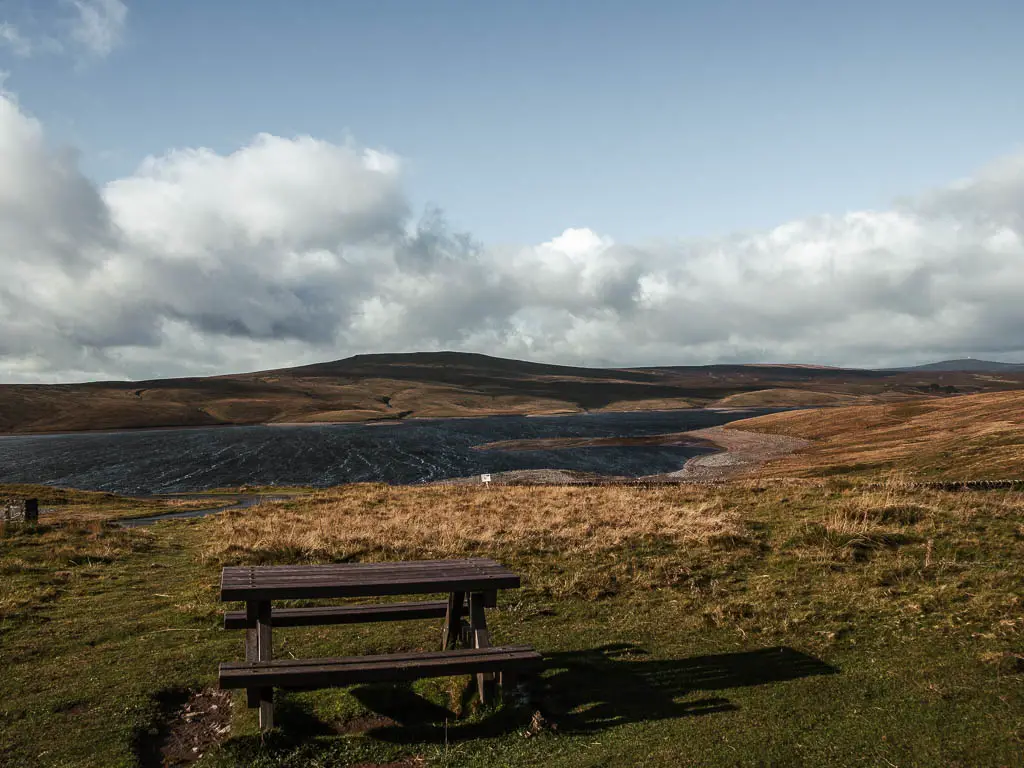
400	703
592	690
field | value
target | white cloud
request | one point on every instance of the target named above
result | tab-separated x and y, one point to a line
11	38
297	250
99	25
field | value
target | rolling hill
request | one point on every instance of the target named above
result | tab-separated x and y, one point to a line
967	364
973	437
442	384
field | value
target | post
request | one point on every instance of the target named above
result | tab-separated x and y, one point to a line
263	631
19	511
252	647
453	621
481	639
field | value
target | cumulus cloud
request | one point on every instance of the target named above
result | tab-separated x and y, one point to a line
295	250
99	25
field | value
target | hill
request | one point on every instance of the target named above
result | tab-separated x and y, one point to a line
436	384
972	437
784	396
967	364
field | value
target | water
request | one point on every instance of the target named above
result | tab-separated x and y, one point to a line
182	460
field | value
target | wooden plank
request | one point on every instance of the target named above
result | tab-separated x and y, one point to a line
370	566
361	578
344	614
481	640
383	579
453	620
397	657
464	561
377	577
237	575
264	629
252	649
320	673
359	570
319	589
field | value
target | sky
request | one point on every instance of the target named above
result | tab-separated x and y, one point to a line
192	188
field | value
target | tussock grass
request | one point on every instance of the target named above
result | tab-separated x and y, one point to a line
602	543
449	521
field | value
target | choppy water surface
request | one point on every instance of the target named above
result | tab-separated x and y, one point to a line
175	460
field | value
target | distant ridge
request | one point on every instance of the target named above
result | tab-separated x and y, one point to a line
395	387
967	364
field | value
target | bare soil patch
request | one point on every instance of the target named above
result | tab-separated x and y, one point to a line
203	722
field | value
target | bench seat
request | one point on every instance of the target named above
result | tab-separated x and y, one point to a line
344	614
325	673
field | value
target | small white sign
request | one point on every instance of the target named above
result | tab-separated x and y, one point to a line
485	478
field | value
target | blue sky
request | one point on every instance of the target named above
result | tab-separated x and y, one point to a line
198	187
640	119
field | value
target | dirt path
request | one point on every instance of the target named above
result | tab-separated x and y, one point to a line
743	452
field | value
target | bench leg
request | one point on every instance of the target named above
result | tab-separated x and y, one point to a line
264	633
252	648
453	621
481	639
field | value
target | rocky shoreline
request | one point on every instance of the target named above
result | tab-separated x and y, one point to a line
740	453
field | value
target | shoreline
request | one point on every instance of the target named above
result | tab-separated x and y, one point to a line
741	452
373	421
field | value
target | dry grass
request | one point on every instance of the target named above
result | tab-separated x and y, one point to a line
970	437
783	396
598	539
449	521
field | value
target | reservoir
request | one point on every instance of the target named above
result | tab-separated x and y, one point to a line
400	452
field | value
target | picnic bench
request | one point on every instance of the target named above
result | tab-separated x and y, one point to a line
472	585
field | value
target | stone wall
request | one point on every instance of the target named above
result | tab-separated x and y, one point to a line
19	510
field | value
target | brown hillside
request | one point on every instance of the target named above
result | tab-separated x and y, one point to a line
784	396
970	437
437	384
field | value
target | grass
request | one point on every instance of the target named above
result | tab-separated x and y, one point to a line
793	623
65	505
783	396
961	438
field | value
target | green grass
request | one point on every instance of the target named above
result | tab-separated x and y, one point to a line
899	617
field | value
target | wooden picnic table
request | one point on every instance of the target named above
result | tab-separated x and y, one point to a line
471	584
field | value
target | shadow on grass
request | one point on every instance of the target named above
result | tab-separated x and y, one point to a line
574	692
590	691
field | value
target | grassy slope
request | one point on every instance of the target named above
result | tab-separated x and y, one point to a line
656	608
784	396
970	437
449	384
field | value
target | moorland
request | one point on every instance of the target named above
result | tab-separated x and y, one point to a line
454	384
837	606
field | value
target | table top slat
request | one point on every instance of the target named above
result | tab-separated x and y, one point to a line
364	579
